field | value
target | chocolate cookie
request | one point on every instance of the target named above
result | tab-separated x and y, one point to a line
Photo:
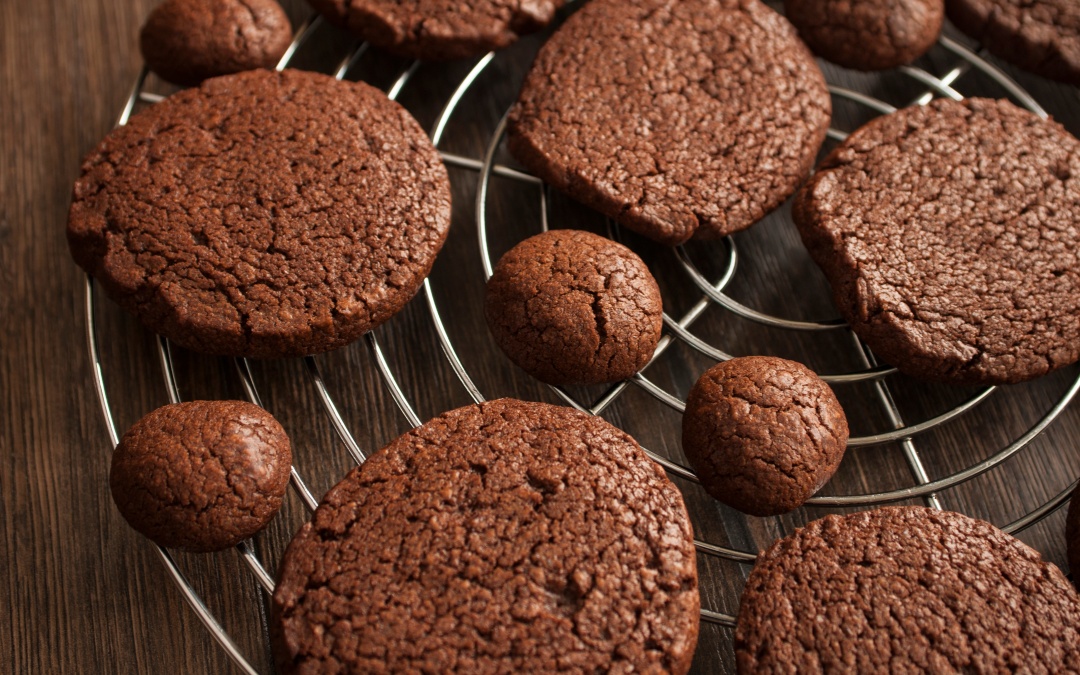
501	537
906	590
867	34
951	236
263	214
572	307
1072	536
677	118
1042	36
187	41
202	475
763	434
438	30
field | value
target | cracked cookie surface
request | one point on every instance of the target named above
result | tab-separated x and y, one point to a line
201	475
906	589
867	34
500	537
763	434
572	307
187	41
677	118
263	214
1042	36
438	30
951	237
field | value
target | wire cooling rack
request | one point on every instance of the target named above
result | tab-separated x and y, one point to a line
706	272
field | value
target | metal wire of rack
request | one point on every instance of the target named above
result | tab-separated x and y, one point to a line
677	330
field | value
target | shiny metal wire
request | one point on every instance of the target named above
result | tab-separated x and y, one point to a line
677	329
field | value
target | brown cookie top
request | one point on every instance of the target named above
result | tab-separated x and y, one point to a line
572	307
437	30
951	236
1042	36
500	537
263	214
867	34
677	118
763	434
201	475
1072	536
187	41
906	590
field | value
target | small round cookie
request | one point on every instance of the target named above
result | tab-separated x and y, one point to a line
505	537
263	214
763	433
572	307
1042	36
950	234
906	590
1072	536
201	475
187	41
677	118
867	34
438	30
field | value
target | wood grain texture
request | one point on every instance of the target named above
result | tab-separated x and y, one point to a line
85	594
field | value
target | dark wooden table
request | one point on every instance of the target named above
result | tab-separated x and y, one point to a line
83	593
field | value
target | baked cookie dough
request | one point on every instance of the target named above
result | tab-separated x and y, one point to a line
951	237
202	475
763	434
438	30
571	307
1042	36
187	41
263	214
867	34
906	589
500	537
677	118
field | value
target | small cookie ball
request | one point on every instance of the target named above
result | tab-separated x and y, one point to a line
763	433
572	307
1072	536
202	475
187	41
867	34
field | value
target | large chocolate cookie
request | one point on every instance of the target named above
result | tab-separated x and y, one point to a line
571	307
951	236
1042	36
677	118
867	34
763	433
263	214
906	590
187	41
437	30
201	475
503	537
